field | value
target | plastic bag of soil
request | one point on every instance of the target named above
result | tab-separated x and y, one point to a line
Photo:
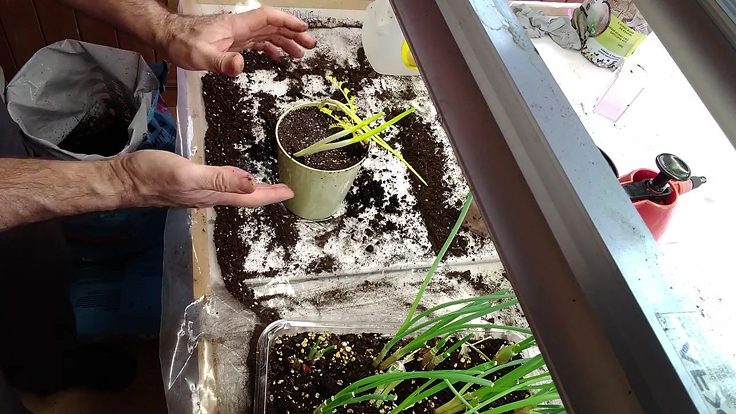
76	100
610	30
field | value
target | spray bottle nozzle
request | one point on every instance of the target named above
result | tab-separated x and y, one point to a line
671	167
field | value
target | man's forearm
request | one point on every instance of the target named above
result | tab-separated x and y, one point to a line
35	190
145	19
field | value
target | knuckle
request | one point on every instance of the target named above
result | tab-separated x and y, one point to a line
220	61
219	181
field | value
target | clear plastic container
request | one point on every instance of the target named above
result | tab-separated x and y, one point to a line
293	327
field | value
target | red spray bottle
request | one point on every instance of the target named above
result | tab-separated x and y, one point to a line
655	193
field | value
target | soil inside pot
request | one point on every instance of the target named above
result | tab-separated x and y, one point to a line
298	386
303	127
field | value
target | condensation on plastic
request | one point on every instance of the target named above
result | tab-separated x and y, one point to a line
65	80
206	334
294	327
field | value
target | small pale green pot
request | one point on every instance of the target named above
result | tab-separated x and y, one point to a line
317	193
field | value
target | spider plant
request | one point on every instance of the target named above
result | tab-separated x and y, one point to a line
351	123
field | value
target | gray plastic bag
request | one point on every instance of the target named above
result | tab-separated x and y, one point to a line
82	95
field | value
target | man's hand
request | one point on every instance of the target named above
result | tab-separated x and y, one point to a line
214	42
37	190
164	179
209	43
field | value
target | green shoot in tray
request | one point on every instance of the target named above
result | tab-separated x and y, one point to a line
474	389
315	353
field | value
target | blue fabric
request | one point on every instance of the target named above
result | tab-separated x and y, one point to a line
115	235
161	125
120	298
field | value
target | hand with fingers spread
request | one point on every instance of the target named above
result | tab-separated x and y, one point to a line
160	178
214	43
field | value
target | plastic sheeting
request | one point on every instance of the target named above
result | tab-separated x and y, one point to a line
68	80
208	340
208	337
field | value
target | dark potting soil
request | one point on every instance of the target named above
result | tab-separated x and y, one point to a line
223	102
249	142
103	130
306	126
241	122
330	22
421	150
370	192
476	281
298	386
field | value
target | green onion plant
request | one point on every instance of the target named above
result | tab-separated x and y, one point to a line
447	324
474	389
507	352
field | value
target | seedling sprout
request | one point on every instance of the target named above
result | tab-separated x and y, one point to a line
505	354
315	353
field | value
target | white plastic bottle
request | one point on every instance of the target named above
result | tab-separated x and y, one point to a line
383	42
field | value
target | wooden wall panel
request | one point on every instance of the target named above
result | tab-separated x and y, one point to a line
21	27
57	21
94	31
129	42
28	25
6	57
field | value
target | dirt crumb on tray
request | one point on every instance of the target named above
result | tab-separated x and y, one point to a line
480	284
369	192
326	264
